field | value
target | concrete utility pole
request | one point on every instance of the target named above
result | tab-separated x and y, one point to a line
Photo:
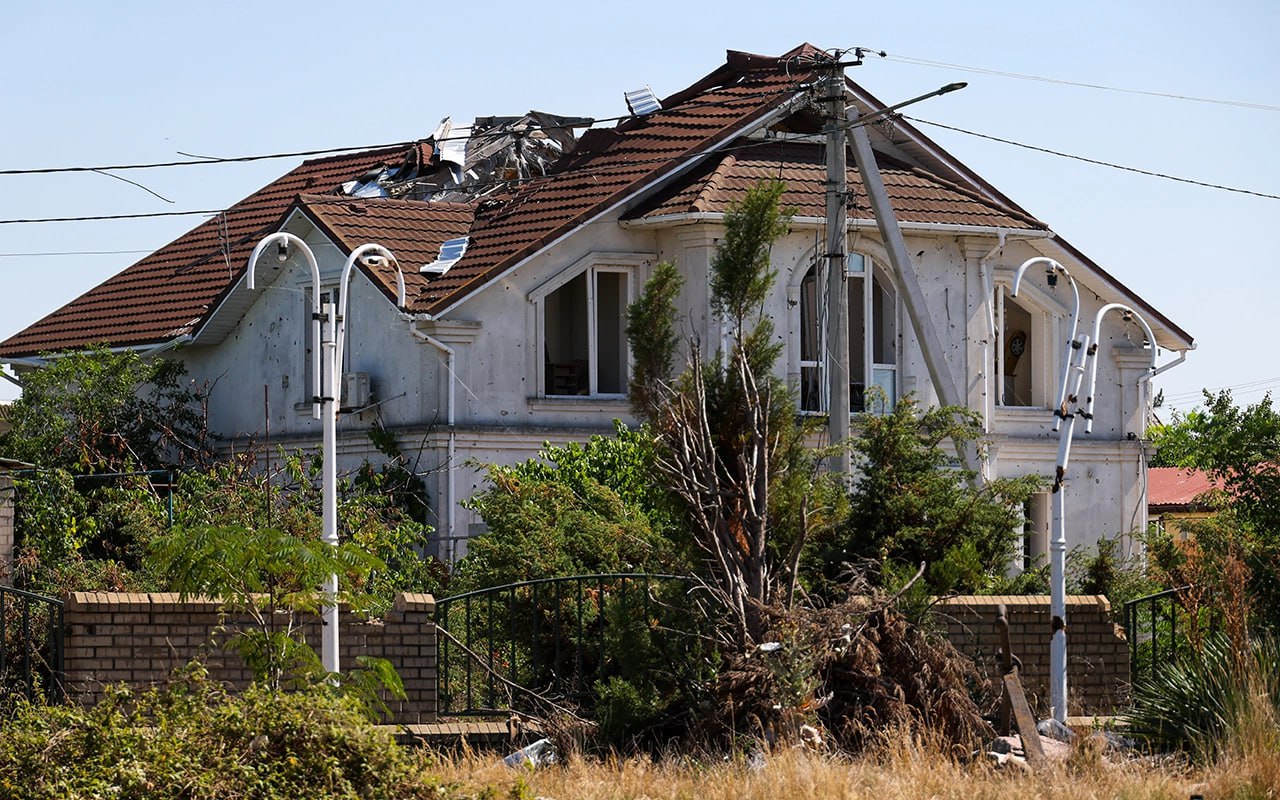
836	361
848	121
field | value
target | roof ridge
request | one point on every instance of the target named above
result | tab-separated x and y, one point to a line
714	182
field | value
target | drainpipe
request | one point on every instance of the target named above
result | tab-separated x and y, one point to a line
1145	380
451	462
984	264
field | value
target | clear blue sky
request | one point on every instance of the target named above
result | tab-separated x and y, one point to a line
89	83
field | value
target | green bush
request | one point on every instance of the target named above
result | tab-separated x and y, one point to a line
909	505
193	740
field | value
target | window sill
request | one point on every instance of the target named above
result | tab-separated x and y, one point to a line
1023	412
579	403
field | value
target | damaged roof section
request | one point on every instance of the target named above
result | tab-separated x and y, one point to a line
460	163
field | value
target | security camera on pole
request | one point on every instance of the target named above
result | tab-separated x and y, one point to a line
328	330
1079	360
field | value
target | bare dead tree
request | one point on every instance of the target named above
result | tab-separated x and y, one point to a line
724	424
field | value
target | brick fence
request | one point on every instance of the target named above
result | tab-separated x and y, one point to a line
141	638
1097	651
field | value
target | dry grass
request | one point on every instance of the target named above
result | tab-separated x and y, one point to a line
903	772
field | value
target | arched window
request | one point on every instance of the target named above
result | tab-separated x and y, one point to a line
873	338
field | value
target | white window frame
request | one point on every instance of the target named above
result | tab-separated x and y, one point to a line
867	273
626	264
1046	314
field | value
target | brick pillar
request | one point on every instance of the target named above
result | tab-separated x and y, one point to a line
6	530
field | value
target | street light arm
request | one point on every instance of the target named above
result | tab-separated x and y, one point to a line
1053	268
1093	349
363	251
285	239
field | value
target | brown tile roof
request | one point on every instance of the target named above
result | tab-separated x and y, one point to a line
1173	488
411	229
916	195
168	293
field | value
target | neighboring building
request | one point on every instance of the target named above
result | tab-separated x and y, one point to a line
1176	496
521	340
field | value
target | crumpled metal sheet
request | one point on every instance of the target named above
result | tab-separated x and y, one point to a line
460	163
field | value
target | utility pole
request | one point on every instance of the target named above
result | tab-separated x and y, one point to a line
845	125
836	358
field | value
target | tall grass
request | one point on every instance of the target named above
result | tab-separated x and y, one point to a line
904	772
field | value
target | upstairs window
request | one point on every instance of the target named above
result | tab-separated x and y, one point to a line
873	339
1017	345
582	326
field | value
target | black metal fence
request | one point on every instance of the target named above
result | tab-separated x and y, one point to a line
1151	626
555	636
31	643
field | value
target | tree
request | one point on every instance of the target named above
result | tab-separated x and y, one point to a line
909	505
1240	447
726	427
104	411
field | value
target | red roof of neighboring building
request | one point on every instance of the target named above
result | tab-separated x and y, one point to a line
1174	488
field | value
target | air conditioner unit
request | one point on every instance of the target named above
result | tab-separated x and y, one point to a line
355	390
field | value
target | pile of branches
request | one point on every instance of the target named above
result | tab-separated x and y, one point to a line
840	677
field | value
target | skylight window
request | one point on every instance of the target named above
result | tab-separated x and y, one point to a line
451	252
642	101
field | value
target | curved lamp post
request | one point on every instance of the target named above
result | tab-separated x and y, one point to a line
1080	359
328	334
1052	270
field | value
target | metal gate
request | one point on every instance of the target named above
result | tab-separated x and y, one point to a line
31	644
548	636
1151	626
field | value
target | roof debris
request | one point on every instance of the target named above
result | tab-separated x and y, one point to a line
459	163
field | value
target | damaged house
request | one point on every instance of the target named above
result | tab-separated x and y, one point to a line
523	239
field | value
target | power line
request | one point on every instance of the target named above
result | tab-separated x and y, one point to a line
508	182
203	161
1257	385
1095	161
108	216
1041	79
77	253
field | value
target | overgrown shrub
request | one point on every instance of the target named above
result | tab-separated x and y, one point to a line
575	510
193	740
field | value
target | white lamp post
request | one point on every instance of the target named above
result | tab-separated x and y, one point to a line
328	338
1068	389
1079	359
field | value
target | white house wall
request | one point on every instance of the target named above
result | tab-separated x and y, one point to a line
501	416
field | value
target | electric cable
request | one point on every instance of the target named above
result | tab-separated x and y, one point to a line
351	149
1041	79
1097	162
